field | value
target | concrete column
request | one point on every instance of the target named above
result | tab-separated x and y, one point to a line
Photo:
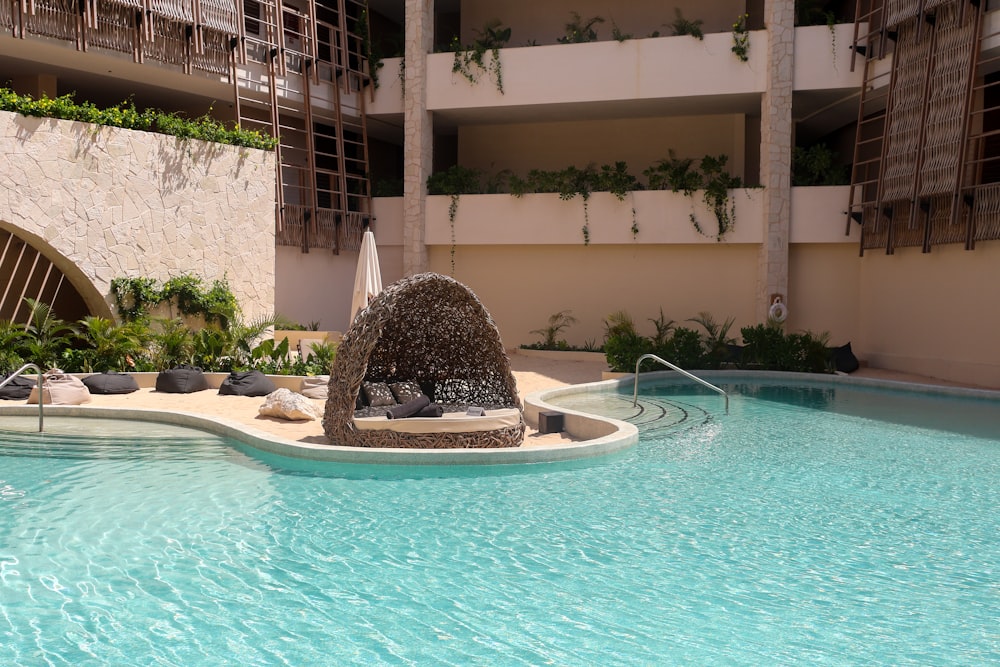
776	153
418	133
35	85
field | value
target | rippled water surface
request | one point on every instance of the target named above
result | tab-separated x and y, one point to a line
780	534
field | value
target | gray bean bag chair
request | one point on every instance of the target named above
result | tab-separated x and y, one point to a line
246	383
110	382
17	389
181	380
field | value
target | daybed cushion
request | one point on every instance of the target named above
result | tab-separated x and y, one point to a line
406	391
246	383
18	389
110	382
450	422
181	380
378	394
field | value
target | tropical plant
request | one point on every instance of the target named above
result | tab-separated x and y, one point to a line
12	346
216	303
663	328
716	341
683	26
107	346
135	296
622	343
270	356
579	31
683	348
673	173
558	323
454	182
320	359
680	175
817	165
617	33
574	181
716	184
47	335
741	38
173	344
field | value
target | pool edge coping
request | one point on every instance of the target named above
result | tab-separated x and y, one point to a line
599	436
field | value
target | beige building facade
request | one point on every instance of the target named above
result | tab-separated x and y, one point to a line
866	265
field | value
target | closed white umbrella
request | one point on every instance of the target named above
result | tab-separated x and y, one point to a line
368	279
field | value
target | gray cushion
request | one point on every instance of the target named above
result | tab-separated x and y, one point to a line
405	391
378	394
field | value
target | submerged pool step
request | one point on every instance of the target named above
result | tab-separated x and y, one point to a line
31	443
660	415
650	413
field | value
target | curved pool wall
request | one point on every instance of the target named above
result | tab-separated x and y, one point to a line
594	435
604	436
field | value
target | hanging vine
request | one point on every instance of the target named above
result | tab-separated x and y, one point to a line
470	61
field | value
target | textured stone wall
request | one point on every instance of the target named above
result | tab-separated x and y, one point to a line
105	202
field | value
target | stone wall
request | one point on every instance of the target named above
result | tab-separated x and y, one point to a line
103	203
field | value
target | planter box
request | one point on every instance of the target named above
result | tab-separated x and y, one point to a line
663	217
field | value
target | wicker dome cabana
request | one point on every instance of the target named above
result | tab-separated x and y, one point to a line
433	330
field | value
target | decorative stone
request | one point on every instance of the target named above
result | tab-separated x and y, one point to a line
286	404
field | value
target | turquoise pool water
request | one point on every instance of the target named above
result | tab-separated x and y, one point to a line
814	526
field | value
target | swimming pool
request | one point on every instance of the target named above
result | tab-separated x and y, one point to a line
824	525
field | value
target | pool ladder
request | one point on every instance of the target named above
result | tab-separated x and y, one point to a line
635	390
41	397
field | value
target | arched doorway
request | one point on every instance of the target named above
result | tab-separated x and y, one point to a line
26	272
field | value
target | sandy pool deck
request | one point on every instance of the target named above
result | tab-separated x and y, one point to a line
531	374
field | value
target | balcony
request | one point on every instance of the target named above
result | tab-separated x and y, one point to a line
653	76
662	218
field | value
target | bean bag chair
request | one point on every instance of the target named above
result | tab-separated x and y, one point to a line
59	388
315	386
181	380
110	382
17	389
246	383
844	360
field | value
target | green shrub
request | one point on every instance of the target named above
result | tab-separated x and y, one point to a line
683	349
125	115
622	343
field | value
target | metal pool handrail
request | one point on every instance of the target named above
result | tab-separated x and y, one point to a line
41	397
635	390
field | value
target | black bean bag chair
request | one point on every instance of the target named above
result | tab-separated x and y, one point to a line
110	382
181	380
246	383
18	389
844	360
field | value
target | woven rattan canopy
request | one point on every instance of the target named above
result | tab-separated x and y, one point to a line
431	329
